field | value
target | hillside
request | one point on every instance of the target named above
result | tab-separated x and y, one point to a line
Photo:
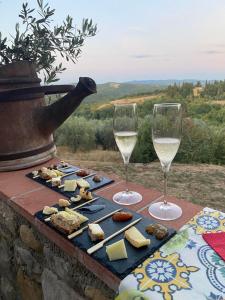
111	91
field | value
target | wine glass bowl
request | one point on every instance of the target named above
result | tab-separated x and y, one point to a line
166	136
125	129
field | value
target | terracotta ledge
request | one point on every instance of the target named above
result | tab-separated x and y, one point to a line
27	197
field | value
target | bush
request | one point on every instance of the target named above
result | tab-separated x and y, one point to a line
77	133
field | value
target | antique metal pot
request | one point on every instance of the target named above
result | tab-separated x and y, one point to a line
27	123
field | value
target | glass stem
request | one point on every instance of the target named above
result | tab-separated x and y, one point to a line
165	188
126	173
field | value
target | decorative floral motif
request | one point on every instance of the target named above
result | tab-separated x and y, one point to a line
191	244
208	222
164	275
213	296
161	270
214	267
211	221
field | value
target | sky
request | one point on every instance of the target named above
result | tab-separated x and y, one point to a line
141	40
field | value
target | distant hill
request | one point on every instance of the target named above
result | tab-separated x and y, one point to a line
163	82
113	90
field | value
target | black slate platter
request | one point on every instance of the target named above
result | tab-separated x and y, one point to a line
121	268
93	185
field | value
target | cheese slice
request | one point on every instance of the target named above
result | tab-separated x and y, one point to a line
70	185
80	216
136	238
82	183
95	232
117	250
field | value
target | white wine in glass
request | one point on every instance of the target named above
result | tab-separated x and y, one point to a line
125	128
166	136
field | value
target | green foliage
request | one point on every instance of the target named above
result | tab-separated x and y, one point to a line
37	42
77	133
144	151
198	143
104	135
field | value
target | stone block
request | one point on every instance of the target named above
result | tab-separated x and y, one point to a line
5	255
29	289
25	258
94	294
27	236
58	264
8	217
55	289
7	290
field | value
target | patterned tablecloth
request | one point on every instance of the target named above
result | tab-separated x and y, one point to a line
184	268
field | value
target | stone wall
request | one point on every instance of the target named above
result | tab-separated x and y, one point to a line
32	267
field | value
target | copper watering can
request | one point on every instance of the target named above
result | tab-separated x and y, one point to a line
27	123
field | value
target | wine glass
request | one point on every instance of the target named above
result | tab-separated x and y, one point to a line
125	127
166	136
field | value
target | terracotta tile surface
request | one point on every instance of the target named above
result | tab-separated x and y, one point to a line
147	194
189	210
27	197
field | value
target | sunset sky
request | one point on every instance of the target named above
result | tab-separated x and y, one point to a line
145	39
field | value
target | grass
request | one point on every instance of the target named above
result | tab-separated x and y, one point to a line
199	183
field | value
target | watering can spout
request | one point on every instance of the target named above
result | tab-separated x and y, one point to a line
52	116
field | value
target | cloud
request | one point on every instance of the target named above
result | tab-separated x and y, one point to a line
212	52
141	56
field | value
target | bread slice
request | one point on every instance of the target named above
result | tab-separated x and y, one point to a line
80	216
65	222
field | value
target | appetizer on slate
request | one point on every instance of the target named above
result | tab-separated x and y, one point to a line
86	195
64	164
96	178
70	185
63	203
136	238
49	210
75	198
95	232
82	183
35	173
150	229
158	230
56	181
82	173
116	250
65	222
122	216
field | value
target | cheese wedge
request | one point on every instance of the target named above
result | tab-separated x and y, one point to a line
80	216
95	232
136	238
82	183
117	250
70	185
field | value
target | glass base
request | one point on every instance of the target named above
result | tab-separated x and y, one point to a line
127	198
166	212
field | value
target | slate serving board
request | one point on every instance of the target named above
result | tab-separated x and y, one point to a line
93	185
120	268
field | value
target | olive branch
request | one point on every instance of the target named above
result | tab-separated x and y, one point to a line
36	41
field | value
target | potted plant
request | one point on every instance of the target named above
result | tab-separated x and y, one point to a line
36	40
